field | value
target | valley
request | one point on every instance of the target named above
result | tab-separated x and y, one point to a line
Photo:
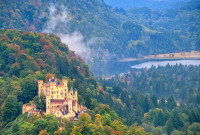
84	67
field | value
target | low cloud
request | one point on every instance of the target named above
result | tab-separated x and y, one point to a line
91	50
58	20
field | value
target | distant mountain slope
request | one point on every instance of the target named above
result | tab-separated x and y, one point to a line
181	25
153	4
106	34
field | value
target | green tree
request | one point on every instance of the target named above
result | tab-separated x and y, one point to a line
11	109
162	102
146	104
171	103
15	128
169	126
107	119
88	102
136	130
159	119
29	89
40	124
154	100
177	123
119	126
40	101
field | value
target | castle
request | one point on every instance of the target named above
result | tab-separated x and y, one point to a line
59	100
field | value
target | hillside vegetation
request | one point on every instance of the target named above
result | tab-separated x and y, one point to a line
111	34
29	56
175	87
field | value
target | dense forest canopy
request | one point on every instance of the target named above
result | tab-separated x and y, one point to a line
36	38
154	4
108	34
27	57
157	98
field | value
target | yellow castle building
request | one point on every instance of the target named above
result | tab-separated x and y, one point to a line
59	100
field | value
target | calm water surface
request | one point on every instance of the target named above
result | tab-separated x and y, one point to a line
164	63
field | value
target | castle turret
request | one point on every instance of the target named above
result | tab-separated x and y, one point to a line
40	89
76	94
48	105
70	106
76	98
71	91
65	84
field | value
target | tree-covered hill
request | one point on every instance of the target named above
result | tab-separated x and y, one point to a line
26	57
110	34
180	25
164	100
153	4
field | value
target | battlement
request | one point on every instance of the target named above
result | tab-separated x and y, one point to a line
40	81
52	83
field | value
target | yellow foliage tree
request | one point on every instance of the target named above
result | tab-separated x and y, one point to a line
43	132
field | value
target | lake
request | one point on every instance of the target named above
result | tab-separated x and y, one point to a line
149	64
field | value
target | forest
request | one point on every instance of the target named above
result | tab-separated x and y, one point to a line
164	100
110	33
27	57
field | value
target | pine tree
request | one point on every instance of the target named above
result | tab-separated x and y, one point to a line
11	109
177	123
146	104
162	102
159	119
171	103
154	100
169	126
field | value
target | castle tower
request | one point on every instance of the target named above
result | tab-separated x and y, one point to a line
65	85
48	105
71	92
53	88
76	98
76	94
40	83
70	106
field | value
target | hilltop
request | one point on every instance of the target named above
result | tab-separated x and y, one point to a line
27	57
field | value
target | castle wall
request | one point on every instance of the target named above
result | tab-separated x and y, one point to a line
27	108
58	92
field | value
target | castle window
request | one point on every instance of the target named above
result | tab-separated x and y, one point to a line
48	106
57	96
46	91
52	92
65	90
57	91
52	97
41	90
